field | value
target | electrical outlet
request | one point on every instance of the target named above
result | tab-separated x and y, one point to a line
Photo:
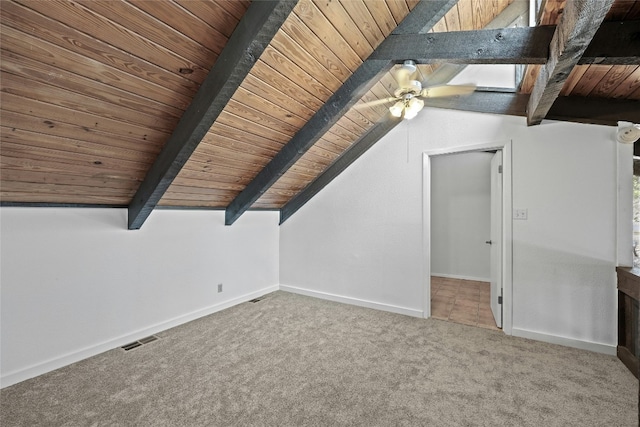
520	214
219	287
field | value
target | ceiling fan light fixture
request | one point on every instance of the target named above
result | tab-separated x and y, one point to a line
396	109
413	108
409	107
408	96
416	104
410	114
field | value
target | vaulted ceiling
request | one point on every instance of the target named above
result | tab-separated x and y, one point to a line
236	105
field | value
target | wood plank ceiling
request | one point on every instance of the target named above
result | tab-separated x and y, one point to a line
600	81
91	90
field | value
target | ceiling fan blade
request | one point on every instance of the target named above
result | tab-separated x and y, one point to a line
447	90
373	103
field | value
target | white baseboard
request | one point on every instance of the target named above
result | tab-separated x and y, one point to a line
14	377
456	276
567	342
353	301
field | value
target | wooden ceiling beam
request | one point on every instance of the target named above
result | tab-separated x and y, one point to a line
511	15
615	43
497	46
252	35
578	25
357	149
511	104
598	111
423	16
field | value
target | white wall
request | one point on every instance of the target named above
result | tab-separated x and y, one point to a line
565	253
76	282
359	239
461	215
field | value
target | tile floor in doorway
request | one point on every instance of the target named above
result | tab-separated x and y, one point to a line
462	301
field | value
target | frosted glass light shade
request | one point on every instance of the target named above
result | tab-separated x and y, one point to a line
413	108
396	109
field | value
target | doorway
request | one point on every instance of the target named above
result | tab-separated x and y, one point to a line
478	281
462	301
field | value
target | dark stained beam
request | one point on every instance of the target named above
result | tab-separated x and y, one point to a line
578	109
423	16
578	25
253	34
512	15
598	111
497	46
615	43
357	149
510	104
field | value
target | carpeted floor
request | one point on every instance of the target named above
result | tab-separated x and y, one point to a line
291	360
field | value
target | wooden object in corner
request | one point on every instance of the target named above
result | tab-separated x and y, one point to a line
628	317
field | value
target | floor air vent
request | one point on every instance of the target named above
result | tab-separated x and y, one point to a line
140	342
147	340
256	300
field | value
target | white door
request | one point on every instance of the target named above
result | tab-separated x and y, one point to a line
496	237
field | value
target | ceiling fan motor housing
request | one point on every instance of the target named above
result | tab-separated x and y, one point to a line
412	87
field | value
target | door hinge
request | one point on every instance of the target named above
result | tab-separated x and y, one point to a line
499	168
500	300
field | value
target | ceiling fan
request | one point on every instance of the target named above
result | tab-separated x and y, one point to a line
409	96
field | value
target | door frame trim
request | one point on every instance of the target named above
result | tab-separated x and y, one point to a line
507	224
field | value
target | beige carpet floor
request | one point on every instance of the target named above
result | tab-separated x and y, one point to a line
290	360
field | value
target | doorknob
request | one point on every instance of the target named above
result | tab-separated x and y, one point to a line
488	242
